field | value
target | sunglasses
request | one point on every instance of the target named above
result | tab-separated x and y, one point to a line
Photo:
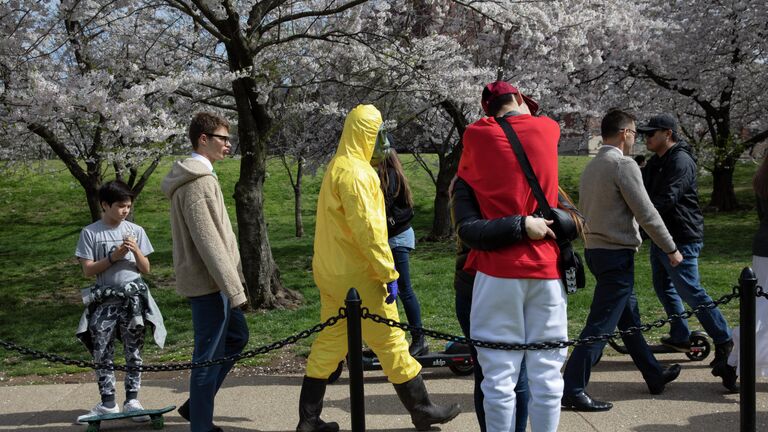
225	138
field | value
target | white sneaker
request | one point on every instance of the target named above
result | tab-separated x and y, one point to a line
98	410
135	405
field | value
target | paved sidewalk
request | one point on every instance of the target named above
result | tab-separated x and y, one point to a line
695	402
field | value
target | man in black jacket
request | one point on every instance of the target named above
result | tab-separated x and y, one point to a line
670	179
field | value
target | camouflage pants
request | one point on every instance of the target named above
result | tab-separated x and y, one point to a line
106	320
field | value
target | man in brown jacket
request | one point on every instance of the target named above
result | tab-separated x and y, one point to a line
206	261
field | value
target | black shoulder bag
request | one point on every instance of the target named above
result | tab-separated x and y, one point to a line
565	229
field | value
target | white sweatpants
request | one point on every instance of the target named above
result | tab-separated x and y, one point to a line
520	311
760	267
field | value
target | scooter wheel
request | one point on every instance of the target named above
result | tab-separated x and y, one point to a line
336	374
462	370
700	348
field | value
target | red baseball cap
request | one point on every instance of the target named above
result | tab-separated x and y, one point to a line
499	88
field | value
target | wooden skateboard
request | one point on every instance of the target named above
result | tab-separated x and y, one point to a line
155	418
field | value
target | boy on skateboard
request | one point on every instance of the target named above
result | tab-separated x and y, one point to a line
119	304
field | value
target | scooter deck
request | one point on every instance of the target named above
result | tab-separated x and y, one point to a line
440	359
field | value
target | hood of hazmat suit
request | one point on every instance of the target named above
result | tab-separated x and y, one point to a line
351	227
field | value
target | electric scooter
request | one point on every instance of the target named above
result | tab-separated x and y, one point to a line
700	347
455	357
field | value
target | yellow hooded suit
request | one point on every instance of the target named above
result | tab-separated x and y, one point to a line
351	250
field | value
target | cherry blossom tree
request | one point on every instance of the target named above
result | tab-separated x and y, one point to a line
711	62
252	35
307	134
435	66
75	77
704	62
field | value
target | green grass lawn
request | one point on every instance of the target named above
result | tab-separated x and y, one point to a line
42	211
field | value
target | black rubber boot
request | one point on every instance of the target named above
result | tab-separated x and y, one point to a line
419	345
721	368
423	412
311	405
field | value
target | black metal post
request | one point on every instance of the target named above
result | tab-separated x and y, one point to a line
355	360
747	396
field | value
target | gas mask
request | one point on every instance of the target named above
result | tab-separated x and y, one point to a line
382	148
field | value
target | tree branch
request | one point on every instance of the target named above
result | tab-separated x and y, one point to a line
265	28
70	161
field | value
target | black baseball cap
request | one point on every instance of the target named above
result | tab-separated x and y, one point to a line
659	122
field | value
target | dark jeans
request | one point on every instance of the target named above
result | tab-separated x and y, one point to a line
463	309
614	304
219	332
674	285
405	290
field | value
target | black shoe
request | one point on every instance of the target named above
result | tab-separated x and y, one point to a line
184	410
669	374
727	373
683	347
184	413
721	368
583	402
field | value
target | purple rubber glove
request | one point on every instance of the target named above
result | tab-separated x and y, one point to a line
392	292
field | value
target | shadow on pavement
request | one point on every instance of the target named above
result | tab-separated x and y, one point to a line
709	422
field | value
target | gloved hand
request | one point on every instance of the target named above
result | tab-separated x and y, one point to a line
391	292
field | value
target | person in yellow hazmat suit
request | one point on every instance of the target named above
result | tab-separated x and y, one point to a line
351	250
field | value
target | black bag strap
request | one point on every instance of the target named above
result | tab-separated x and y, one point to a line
522	158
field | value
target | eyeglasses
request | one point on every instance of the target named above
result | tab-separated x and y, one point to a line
634	132
223	137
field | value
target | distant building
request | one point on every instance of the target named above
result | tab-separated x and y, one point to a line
580	135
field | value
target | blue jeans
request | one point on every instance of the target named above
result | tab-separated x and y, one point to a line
463	309
404	289
674	285
613	304
219	332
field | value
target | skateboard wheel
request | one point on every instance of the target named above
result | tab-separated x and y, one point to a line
92	427
158	422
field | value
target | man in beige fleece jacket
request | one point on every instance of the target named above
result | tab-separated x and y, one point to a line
206	261
613	201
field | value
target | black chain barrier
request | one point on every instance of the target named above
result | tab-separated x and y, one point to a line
177	366
761	293
366	314
555	344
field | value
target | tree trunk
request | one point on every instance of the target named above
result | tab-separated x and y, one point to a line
297	198
92	197
262	276
723	195
449	165
442	227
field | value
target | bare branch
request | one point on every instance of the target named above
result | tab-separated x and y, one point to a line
265	28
